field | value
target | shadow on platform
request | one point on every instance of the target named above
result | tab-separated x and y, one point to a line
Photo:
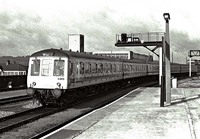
181	100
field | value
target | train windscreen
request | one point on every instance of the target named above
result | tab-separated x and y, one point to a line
35	67
46	67
58	68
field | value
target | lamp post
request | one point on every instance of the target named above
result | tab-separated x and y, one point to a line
163	50
166	59
167	18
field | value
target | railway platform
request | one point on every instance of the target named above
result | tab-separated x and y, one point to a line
14	93
138	115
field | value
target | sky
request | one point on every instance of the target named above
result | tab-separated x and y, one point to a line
27	26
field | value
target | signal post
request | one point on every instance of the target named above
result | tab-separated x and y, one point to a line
157	40
191	54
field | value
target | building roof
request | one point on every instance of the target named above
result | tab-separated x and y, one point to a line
13	67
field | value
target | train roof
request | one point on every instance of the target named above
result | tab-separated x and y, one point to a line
65	53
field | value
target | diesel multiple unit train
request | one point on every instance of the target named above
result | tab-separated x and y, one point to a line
55	73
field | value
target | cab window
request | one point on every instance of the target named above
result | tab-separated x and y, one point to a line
58	68
46	67
35	67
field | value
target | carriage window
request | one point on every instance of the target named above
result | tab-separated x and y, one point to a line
106	68
71	66
46	67
4	73
109	68
100	68
78	67
94	68
82	68
58	68
131	67
125	67
88	68
117	68
114	68
35	67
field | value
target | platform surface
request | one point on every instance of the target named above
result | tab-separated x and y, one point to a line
138	115
14	93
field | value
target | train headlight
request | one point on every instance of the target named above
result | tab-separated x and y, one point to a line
59	84
33	84
30	91
56	93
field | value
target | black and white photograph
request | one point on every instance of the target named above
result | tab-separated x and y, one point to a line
99	69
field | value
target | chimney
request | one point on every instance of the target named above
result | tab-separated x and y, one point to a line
76	42
7	62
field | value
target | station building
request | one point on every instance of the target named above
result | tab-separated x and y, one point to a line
126	55
11	69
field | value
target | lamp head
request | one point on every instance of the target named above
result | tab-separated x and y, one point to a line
166	16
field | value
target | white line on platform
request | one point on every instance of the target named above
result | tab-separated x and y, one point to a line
190	121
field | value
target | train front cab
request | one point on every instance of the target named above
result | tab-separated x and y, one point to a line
47	76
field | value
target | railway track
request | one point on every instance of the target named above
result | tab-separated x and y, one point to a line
59	125
11	89
16	120
14	99
22	118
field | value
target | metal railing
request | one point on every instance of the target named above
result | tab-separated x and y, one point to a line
140	37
